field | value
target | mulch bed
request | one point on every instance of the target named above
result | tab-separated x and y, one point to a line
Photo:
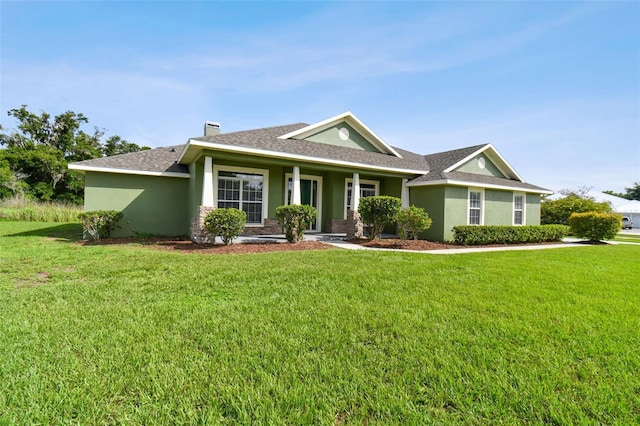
187	246
396	243
184	245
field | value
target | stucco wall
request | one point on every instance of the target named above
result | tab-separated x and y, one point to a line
532	209
431	199
331	136
150	204
472	167
498	207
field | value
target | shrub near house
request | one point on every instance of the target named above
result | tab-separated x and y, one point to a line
595	226
295	219
378	211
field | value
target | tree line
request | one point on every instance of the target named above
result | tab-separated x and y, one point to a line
34	156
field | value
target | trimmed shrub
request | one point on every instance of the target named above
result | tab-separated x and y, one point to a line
412	221
99	223
225	223
377	212
595	226
295	219
470	235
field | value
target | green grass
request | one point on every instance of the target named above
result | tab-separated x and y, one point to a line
628	238
22	209
130	335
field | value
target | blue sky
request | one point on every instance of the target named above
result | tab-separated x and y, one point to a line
555	86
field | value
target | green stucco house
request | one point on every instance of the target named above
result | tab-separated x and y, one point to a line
330	165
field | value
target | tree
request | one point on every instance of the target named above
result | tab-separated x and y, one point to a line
558	211
38	152
631	193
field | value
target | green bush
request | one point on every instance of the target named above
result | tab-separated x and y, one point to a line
99	223
225	223
377	212
470	235
295	219
595	226
558	211
412	221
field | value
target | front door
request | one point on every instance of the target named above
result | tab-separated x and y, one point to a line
310	194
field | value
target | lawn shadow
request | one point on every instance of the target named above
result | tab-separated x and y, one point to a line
64	232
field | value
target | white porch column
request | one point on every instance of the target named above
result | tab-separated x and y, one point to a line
355	192
404	195
296	198
207	183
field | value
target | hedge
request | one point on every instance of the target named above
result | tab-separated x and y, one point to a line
595	226
470	235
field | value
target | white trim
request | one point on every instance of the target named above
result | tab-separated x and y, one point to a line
355	192
296	197
265	186
510	170
348	181
524	209
318	179
127	171
479	185
207	182
404	194
353	121
481	191
288	156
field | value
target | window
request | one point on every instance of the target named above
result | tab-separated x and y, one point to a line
518	209
368	188
242	189
475	206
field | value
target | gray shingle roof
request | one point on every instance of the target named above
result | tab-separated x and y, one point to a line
443	160
165	159
153	160
267	139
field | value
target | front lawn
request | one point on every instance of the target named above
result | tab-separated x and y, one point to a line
131	335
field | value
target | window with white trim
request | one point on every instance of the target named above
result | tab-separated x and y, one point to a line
475	206
243	191
518	209
368	188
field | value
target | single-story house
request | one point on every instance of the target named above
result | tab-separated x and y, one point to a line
329	165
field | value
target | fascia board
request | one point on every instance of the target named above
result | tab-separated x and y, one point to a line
478	185
305	158
185	148
127	171
350	118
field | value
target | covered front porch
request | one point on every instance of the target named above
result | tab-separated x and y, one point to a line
259	188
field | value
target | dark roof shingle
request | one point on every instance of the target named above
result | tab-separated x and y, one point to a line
152	160
267	139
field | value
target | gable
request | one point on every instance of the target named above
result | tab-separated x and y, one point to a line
343	119
342	134
480	165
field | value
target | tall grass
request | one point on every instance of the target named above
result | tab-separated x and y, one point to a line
23	209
